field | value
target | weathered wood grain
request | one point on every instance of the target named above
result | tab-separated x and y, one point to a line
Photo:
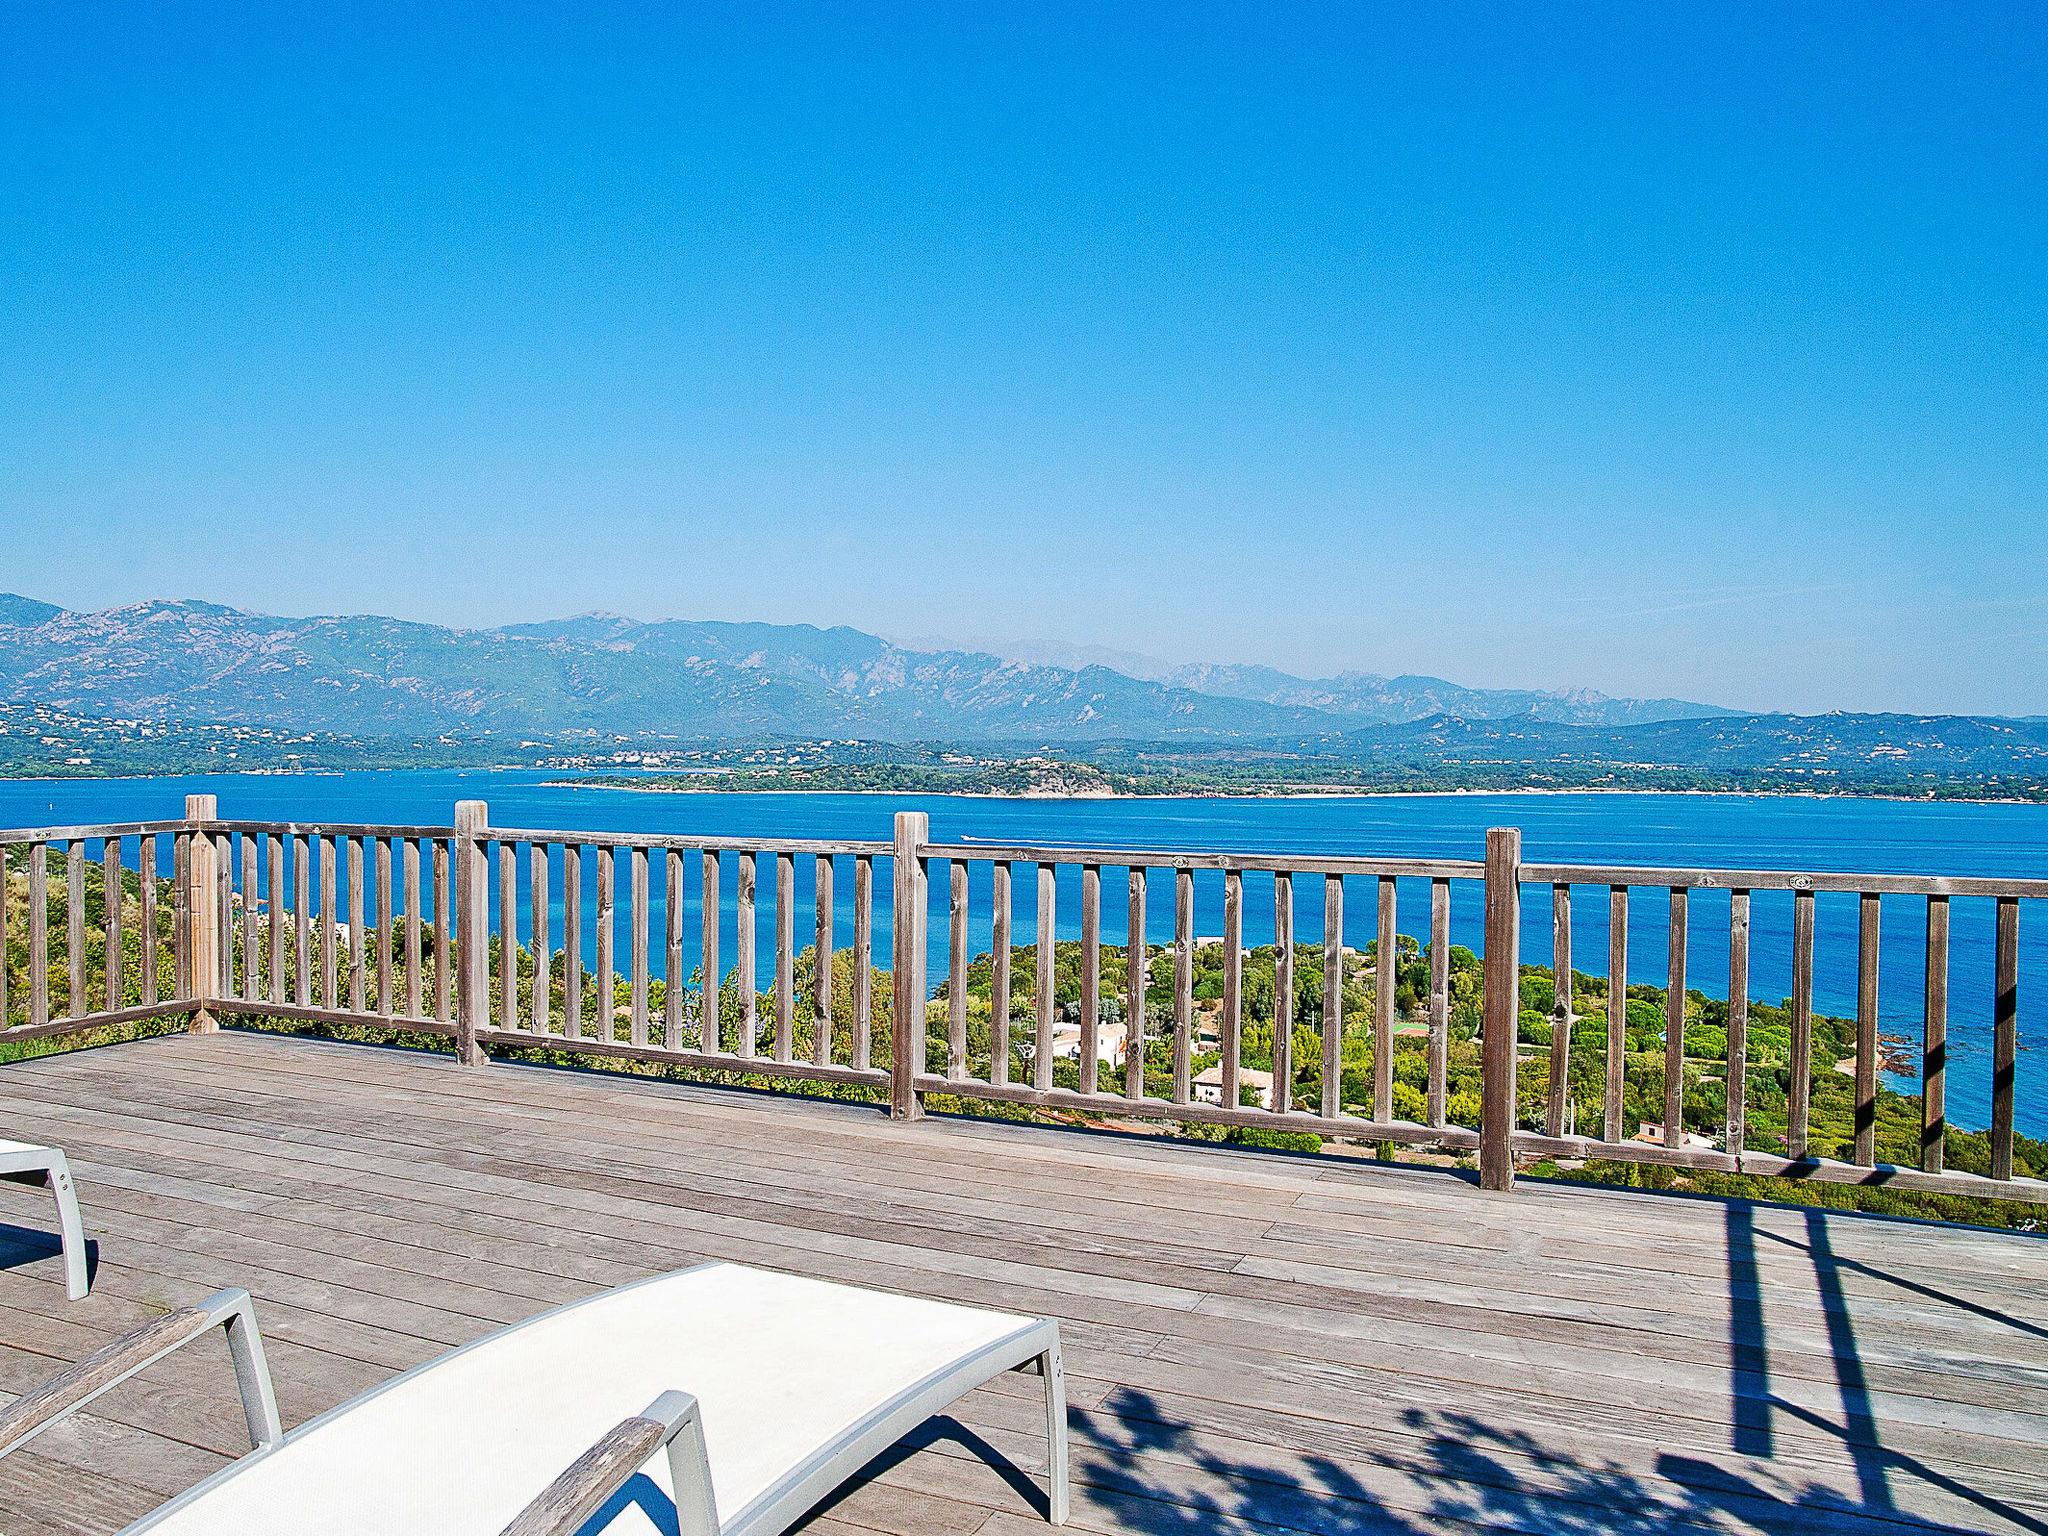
1328	1348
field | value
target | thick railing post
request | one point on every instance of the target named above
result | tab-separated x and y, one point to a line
907	935
472	932
199	900
1501	1009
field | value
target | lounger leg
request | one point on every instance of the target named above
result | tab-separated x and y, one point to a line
71	1229
1050	1368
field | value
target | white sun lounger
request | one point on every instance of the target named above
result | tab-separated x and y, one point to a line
25	1163
766	1391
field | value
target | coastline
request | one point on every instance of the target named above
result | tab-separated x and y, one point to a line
1290	794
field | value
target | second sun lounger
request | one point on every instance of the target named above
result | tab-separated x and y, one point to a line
766	1391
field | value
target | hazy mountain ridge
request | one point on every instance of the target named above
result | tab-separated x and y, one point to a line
1394	700
368	675
1871	747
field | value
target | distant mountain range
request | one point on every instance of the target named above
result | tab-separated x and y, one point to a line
188	682
1368	697
690	680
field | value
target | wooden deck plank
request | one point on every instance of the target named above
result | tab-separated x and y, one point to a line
1256	1343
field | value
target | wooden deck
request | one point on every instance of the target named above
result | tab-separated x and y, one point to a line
1255	1342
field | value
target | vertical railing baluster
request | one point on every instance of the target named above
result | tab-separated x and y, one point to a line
1439	1000
999	977
744	878
273	864
302	921
5	904
1867	910
1617	1010
1558	1098
672	895
114	960
863	960
253	965
1283	991
146	876
821	960
1230	1037
38	934
1137	973
1333	995
183	960
219	868
712	1037
508	934
1674	1024
1046	934
415	945
1183	984
1091	975
639	918
541	1004
1385	943
1738	1023
330	964
444	931
381	853
956	970
1934	1048
785	956
572	940
1799	1091
77	1004
2005	1033
6	1020
607	934
358	933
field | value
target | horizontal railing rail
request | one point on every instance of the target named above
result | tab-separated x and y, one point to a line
1253	991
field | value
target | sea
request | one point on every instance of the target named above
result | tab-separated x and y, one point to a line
1722	831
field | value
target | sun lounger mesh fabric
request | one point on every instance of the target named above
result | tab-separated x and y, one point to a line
782	1367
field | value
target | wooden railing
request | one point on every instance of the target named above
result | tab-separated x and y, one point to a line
1033	1031
1931	895
477	932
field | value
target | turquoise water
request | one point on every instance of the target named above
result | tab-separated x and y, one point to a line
1700	830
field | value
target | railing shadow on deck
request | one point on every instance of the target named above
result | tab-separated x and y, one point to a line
1151	1471
1859	1427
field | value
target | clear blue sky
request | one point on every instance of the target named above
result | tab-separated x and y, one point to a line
1658	349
